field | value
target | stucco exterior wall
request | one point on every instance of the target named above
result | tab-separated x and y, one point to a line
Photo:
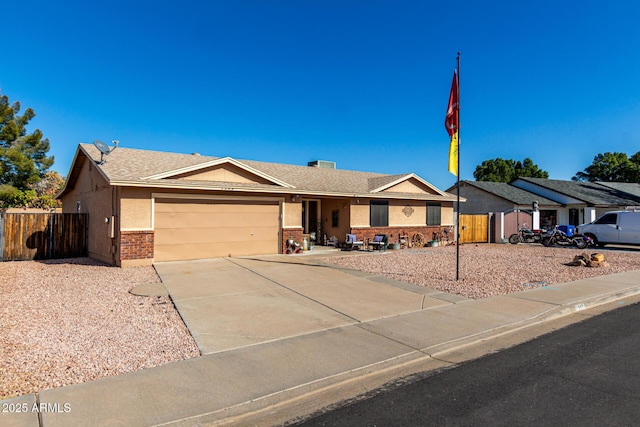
406	213
447	214
359	213
410	186
224	173
292	216
342	208
92	194
135	205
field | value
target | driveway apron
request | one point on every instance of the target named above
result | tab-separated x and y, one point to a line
229	303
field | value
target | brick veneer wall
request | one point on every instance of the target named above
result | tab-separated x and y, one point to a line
294	233
393	232
136	244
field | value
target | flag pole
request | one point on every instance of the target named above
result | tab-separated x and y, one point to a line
458	181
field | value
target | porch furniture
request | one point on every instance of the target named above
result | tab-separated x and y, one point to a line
353	243
379	242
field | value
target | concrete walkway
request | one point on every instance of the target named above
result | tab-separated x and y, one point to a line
283	336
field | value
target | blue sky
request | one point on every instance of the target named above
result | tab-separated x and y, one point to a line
361	83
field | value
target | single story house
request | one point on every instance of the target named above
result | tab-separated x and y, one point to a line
510	207
147	206
558	202
483	197
581	202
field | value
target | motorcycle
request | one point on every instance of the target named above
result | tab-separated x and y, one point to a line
524	235
560	238
589	240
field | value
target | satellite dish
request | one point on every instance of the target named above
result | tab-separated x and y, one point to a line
104	149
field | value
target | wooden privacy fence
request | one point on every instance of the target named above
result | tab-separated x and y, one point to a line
474	228
26	236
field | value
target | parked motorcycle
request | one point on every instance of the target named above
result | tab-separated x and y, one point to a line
524	235
589	240
560	238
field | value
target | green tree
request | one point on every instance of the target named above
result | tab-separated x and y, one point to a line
611	167
501	170
23	156
41	195
46	190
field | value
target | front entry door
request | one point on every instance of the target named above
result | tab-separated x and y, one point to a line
311	218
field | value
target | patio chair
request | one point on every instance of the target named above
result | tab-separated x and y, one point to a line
379	242
353	243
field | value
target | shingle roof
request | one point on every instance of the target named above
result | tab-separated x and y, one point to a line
380	181
589	192
127	166
512	194
631	188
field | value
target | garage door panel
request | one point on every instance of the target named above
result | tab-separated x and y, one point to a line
187	229
208	250
163	206
213	235
231	219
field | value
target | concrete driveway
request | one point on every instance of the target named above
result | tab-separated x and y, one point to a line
229	303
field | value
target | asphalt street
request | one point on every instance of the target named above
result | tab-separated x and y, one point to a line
587	374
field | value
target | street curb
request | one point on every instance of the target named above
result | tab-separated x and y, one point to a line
298	403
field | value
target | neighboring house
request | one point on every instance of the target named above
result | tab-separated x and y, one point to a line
147	206
509	207
559	202
582	202
484	197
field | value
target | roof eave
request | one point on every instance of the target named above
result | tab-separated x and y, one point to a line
79	158
279	190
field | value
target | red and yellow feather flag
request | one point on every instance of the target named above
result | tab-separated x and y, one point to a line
451	123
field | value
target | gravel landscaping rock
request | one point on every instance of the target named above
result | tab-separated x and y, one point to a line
71	321
486	270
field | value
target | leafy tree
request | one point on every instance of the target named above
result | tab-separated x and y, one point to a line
23	156
501	170
46	190
612	167
41	195
11	197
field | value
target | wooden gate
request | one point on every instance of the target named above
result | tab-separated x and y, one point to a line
26	236
474	228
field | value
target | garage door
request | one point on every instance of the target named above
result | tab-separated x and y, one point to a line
195	229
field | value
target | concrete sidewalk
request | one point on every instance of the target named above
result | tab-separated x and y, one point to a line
264	377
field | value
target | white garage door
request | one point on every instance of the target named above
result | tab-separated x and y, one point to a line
196	229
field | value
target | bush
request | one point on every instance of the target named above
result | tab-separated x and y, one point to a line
11	197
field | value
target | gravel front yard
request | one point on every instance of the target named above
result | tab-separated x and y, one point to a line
486	270
71	321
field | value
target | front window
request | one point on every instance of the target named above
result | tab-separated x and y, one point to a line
379	213
434	214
